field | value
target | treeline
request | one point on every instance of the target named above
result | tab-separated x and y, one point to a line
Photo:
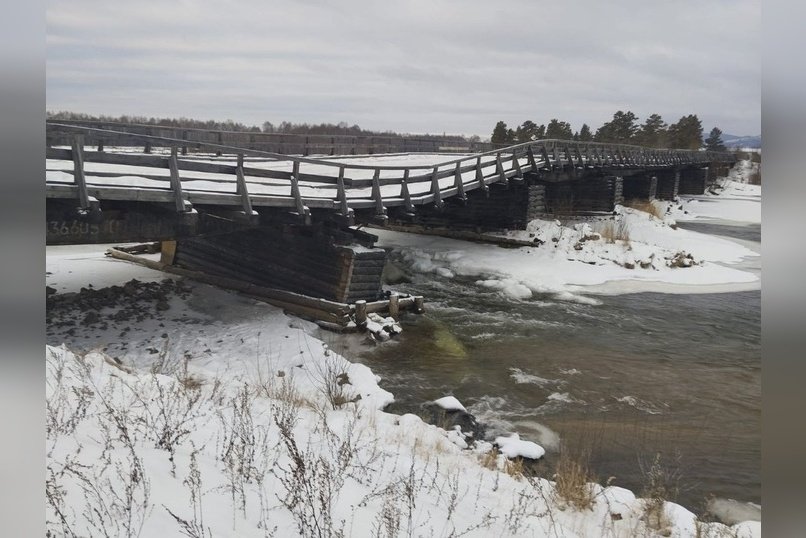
285	127
624	128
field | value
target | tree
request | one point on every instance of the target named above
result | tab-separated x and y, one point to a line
686	133
620	130
714	141
585	134
653	133
559	129
526	132
500	133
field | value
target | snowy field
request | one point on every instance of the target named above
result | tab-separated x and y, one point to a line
205	413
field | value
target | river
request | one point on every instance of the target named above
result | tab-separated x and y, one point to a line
638	374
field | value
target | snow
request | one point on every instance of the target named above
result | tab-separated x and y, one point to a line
513	447
575	258
216	431
732	200
450	403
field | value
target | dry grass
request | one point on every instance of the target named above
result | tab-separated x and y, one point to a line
514	468
647	206
661	484
614	230
489	460
574	480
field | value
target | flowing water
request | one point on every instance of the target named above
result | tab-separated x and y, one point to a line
637	375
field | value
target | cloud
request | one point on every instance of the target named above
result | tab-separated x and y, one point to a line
418	66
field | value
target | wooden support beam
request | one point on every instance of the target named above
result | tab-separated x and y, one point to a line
499	169
404	192
516	166
438	203
78	172
480	178
182	205
457	182
380	211
546	160
578	153
531	156
302	210
241	189
345	210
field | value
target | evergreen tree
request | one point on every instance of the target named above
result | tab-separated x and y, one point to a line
585	134
500	133
526	132
621	129
559	129
653	133
714	141
686	133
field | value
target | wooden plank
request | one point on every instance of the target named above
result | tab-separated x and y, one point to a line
288	297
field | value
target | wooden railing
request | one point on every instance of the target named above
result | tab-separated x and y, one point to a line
284	143
345	186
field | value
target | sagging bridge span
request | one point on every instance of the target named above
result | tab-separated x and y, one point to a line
288	221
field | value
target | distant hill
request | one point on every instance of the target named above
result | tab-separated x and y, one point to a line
733	141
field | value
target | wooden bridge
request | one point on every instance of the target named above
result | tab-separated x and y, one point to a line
210	196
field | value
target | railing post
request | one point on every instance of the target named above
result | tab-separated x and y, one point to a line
457	181
346	212
516	166
78	171
531	156
182	205
546	161
241	189
480	178
438	203
380	211
302	210
404	192
499	168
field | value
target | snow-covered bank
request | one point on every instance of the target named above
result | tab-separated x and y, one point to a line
575	257
731	199
132	452
209	410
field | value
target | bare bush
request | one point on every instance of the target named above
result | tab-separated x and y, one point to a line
614	230
647	206
574	482
661	484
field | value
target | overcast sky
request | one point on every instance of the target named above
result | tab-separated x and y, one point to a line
423	66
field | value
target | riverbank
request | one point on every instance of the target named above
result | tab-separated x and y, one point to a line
224	407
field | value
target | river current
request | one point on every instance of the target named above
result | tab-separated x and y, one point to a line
637	375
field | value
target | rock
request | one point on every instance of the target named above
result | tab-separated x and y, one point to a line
578	246
629	265
49	290
163	305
